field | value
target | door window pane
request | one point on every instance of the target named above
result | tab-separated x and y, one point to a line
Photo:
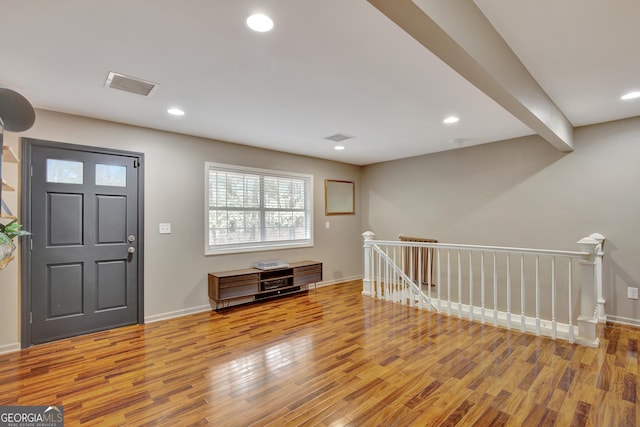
113	175
64	171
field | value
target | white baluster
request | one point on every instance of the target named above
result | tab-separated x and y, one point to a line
522	295
554	332
401	290
393	288
420	277
405	260
408	290
448	281
482	288
395	284
439	284
495	290
412	276
459	286
571	332
429	277
385	272
508	291
470	285
383	285
537	294
379	278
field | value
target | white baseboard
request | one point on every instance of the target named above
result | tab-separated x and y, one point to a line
202	308
337	281
177	313
623	320
499	318
509	321
9	348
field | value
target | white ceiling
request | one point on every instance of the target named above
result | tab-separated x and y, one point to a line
328	66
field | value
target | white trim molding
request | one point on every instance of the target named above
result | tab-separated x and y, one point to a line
623	320
177	313
9	348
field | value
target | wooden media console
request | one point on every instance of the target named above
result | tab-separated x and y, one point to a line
260	284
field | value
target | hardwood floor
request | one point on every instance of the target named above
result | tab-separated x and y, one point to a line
330	358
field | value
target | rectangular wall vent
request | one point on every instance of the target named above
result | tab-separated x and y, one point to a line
130	84
338	137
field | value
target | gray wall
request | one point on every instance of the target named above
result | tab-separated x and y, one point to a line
175	266
525	193
521	192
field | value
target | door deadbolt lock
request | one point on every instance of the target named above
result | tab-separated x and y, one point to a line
131	249
131	238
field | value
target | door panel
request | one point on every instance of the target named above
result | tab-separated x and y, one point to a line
64	290
65	219
112	290
83	205
111	219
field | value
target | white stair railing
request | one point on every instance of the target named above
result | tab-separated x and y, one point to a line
545	292
395	284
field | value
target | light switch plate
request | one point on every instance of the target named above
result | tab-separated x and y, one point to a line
632	293
165	228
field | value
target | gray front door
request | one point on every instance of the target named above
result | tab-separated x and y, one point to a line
84	259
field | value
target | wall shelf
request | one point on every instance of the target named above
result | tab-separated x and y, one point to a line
7	187
8	155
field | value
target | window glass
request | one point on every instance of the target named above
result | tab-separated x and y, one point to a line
113	175
254	209
64	171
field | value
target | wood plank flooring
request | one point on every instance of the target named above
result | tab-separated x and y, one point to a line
331	358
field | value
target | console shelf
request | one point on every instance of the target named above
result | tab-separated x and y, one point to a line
260	284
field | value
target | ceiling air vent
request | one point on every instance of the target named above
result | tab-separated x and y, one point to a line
130	84
338	137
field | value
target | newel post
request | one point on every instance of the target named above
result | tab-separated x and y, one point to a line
588	319
366	282
600	301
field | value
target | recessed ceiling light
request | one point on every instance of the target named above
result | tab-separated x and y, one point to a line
339	147
260	23
630	95
451	119
175	112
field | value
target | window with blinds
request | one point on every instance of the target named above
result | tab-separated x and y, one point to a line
256	209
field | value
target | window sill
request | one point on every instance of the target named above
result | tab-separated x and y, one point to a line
258	248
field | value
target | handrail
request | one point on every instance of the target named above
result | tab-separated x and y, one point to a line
500	249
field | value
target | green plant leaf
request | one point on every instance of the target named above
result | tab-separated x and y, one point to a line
11	230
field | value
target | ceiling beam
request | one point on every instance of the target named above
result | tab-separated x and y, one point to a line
459	34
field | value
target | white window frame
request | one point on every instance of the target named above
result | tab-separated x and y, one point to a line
230	248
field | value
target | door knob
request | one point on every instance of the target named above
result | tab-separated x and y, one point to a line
131	249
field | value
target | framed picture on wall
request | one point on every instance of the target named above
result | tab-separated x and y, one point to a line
339	197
